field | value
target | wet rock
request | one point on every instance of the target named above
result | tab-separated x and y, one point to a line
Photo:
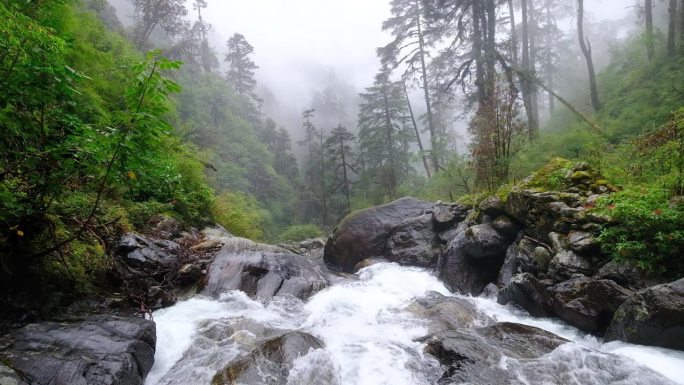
483	241
270	363
566	263
102	349
166	227
448	235
492	206
443	217
505	225
444	312
369	262
147	253
189	273
653	316
582	242
587	303
365	233
463	273
9	377
520	258
262	271
474	356
413	243
623	273
529	293
490	291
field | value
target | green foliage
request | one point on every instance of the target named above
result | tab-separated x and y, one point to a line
454	180
240	214
550	176
649	229
296	233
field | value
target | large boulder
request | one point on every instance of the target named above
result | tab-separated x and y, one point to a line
366	233
520	258
271	362
566	263
445	216
262	271
587	303
102	349
474	356
413	243
146	254
653	316
528	292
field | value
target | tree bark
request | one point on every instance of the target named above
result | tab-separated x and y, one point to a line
534	92
428	104
672	28
525	84
514	33
586	50
549	65
426	164
648	7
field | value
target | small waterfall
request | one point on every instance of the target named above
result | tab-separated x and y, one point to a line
370	339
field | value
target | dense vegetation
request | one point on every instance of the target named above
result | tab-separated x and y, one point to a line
105	126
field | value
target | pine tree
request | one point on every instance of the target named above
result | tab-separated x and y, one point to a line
240	66
165	14
339	153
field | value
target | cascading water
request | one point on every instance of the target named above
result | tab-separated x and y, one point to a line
371	339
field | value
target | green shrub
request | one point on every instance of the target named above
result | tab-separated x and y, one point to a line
241	215
648	230
298	233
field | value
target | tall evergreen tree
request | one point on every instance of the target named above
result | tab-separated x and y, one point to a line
339	153
383	132
240	66
165	14
586	50
408	25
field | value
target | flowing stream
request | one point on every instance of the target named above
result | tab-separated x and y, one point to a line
371	340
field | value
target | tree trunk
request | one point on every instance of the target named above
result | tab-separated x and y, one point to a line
586	50
681	27
672	28
549	65
648	7
344	174
324	211
514	33
426	164
525	84
534	92
390	148
490	48
428	104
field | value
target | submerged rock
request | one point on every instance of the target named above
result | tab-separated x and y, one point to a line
262	271
102	349
270	363
474	356
653	316
444	312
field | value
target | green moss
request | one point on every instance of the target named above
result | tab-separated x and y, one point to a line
472	200
298	233
551	176
579	176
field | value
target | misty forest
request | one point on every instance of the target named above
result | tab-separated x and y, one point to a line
341	192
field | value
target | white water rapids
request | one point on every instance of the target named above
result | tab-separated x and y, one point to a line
370	339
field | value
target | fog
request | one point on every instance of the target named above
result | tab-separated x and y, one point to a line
305	47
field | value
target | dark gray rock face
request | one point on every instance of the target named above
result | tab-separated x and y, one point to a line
473	357
444	216
653	316
520	258
365	233
270	363
413	243
483	241
623	273
145	253
567	263
444	312
262	271
492	206
463	273
529	293
588	304
102	349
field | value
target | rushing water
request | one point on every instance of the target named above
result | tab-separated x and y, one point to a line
371	340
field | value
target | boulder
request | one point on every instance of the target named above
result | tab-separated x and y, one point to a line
366	233
414	243
464	274
653	316
269	363
624	273
99	349
566	264
529	293
492	206
146	253
262	271
445	216
587	303
475	356
483	241
520	258
582	242
444	312
505	225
